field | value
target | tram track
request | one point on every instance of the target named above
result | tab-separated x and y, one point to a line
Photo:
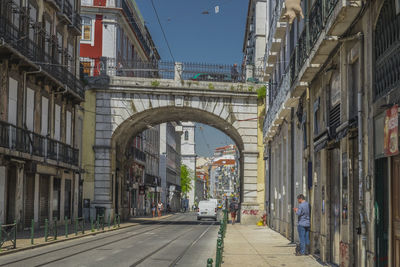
180	256
150	228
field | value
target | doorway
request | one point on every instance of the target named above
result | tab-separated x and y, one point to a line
334	166
382	212
395	177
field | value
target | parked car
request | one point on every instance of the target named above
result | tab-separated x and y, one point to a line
207	209
212	77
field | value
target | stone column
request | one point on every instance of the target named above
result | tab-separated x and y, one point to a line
178	72
51	198
249	71
76	194
62	197
36	200
19	194
3	190
250	210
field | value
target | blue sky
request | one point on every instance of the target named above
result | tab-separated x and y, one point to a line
195	37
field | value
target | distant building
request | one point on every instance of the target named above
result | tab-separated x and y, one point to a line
170	164
223	172
188	151
114	32
255	37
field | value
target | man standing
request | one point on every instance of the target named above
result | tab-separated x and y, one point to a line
233	208
303	227
234	73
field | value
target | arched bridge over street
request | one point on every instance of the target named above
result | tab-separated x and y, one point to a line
126	106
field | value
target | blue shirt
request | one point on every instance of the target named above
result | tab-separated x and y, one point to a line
304	214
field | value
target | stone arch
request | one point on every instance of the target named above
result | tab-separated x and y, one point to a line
121	114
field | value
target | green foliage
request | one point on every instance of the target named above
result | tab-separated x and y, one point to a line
211	86
261	92
186	179
251	88
155	83
232	88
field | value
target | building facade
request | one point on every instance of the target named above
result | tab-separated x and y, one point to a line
333	78
114	36
188	156
40	113
254	38
170	164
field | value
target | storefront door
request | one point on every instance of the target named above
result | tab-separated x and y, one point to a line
335	205
395	211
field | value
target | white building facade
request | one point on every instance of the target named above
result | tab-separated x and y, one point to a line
188	154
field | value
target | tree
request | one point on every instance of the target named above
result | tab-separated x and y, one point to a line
186	179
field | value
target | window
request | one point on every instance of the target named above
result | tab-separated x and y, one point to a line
12	101
57	122
30	108
60	41
45	116
186	135
68	128
86	29
47	45
33	17
71	58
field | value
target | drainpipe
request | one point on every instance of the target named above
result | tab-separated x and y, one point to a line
360	159
292	173
269	184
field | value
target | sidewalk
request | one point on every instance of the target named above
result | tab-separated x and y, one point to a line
248	245
24	237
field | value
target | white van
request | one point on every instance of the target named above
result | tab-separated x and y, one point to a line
207	209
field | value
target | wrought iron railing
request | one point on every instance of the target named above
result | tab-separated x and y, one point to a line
67	9
22	140
167	70
15	38
135	26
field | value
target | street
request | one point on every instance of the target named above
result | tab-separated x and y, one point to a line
179	240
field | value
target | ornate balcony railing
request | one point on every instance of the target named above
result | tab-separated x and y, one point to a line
67	9
135	26
22	140
14	38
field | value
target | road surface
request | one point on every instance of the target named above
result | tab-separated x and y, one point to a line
179	240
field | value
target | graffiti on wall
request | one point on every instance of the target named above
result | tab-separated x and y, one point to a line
250	212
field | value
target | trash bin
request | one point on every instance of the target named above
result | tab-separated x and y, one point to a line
100	211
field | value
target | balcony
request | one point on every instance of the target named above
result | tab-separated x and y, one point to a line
18	139
328	20
76	25
36	56
136	29
57	4
67	10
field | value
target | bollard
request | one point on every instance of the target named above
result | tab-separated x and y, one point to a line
219	249
210	262
76	226
66	226
15	234
109	221
32	230
92	225
55	228
46	229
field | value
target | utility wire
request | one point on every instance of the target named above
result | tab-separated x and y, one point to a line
162	29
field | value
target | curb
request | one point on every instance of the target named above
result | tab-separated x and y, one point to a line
11	251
